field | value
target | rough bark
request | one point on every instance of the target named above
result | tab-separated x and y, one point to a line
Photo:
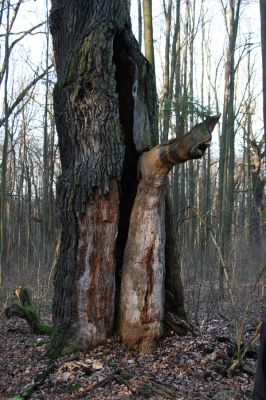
105	113
88	312
142	289
104	103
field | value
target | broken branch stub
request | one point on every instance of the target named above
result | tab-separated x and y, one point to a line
161	159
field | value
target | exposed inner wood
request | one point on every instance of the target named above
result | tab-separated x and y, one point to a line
142	289
94	292
135	99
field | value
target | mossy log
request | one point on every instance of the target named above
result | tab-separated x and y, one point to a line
20	305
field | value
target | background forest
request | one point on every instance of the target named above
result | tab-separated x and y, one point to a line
207	59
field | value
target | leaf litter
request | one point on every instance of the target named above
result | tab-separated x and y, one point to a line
190	368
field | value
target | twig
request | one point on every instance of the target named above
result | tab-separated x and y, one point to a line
241	354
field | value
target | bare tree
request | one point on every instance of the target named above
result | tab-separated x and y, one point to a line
227	138
263	51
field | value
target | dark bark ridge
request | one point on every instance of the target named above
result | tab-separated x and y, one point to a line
93	144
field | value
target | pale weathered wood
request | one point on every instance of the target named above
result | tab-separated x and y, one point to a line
142	289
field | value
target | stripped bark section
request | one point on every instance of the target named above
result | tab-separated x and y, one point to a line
142	289
84	304
143	270
95	258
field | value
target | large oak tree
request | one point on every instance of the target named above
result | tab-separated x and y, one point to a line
118	262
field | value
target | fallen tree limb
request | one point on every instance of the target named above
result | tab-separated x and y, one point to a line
140	386
145	386
21	306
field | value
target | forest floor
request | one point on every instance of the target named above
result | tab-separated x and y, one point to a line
189	368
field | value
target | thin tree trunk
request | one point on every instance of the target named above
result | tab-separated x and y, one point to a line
263	51
139	24
166	77
148	32
227	141
45	177
176	72
191	168
257	191
3	231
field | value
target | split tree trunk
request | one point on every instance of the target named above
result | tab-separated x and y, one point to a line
104	103
105	113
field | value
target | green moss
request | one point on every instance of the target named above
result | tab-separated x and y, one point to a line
83	60
71	68
40	342
94	53
17	397
75	92
39	326
74	387
44	328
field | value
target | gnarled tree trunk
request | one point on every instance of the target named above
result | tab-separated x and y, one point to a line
104	103
105	106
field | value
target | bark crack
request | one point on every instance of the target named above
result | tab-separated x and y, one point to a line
124	77
148	261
